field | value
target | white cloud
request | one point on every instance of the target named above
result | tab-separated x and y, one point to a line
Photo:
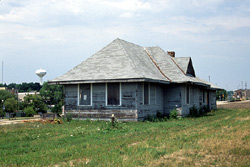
228	22
128	5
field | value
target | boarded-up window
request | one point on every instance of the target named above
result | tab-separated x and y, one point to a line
113	93
85	94
187	94
146	93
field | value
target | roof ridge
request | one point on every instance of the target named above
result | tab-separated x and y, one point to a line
156	64
134	66
178	66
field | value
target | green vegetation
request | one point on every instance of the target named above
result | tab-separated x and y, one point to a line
173	114
221	95
36	102
10	105
52	95
222	138
23	87
29	111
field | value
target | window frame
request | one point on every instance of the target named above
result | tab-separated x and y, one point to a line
187	94
78	95
120	94
143	93
203	97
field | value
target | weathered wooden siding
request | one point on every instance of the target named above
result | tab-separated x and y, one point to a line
212	96
70	99
129	95
155	101
99	109
162	98
172	98
122	115
98	96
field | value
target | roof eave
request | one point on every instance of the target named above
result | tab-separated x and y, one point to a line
106	81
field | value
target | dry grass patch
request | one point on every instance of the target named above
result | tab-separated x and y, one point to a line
71	163
243	118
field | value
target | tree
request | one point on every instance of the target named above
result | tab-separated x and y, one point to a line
36	102
53	95
29	111
4	95
221	95
10	105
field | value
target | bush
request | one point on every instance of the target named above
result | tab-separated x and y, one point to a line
2	113
67	117
29	111
173	114
204	109
194	112
159	117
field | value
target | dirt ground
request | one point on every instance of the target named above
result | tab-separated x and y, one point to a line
17	121
234	105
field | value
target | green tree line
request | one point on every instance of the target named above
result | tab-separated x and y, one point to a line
50	97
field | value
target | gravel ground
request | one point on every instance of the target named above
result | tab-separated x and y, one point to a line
234	105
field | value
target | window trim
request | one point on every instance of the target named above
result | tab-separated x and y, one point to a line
144	94
203	97
188	94
78	95
106	94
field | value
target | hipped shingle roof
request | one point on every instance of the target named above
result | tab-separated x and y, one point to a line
124	61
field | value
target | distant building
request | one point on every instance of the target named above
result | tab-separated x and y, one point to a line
23	94
242	94
3	88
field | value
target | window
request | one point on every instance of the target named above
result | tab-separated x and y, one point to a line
85	94
187	94
146	93
203	93
113	94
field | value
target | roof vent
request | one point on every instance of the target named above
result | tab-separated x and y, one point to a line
171	53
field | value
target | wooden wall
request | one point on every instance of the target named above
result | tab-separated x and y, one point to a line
162	99
172	97
155	101
99	109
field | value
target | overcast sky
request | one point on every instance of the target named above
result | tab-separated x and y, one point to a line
57	35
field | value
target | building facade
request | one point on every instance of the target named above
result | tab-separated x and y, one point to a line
133	82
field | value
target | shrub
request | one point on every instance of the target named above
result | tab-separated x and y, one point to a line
173	114
2	113
159	117
205	109
29	111
194	112
67	117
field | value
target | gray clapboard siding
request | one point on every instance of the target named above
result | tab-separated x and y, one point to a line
70	99
172	98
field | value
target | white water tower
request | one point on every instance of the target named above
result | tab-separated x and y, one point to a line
41	73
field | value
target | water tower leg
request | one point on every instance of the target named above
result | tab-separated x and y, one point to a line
41	81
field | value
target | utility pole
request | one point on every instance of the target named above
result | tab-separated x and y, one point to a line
209	78
2	72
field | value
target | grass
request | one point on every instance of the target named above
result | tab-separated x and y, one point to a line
220	139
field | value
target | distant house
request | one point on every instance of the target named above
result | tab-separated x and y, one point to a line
132	82
242	94
23	94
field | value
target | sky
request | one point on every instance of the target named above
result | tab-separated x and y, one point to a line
57	35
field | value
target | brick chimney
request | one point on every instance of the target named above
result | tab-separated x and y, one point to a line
171	53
